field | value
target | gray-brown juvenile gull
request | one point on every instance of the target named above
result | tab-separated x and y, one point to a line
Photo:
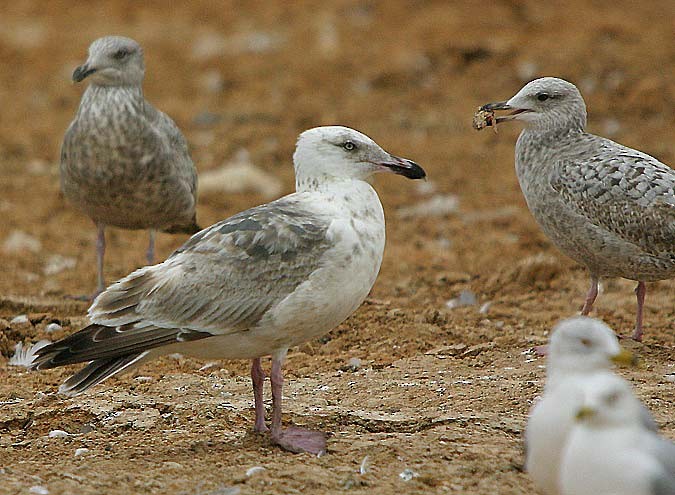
262	281
609	451
608	207
123	162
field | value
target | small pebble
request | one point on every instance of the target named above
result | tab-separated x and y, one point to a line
408	474
53	327
465	298
254	470
81	451
20	320
39	490
58	434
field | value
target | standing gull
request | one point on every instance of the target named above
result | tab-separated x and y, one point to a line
608	207
123	162
252	285
580	348
609	451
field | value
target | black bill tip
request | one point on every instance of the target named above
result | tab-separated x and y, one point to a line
406	168
82	72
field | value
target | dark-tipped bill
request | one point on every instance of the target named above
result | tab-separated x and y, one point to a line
82	72
404	167
502	105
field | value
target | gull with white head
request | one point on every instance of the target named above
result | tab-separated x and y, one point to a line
262	281
607	206
580	348
609	451
123	162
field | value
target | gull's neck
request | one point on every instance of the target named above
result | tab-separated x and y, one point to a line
100	98
325	183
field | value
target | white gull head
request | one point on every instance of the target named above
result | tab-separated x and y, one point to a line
113	61
545	104
336	153
584	345
609	401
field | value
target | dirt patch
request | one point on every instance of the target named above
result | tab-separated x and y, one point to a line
439	398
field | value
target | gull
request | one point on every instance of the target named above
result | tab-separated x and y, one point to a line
262	281
607	206
580	348
123	162
609	452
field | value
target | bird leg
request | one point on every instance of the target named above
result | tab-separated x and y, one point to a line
258	379
100	251
150	254
292	439
640	292
590	296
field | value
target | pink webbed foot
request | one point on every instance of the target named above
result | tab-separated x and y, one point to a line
541	350
297	440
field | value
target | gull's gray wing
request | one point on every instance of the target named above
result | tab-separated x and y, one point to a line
625	191
222	280
226	277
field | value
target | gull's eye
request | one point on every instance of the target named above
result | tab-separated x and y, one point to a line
543	96
349	146
586	342
612	398
120	54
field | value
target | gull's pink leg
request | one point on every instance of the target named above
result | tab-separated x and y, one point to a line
150	254
640	292
590	296
292	439
258	379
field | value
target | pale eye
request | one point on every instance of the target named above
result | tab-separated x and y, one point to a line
349	146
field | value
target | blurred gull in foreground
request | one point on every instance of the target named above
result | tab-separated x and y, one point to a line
608	207
610	452
580	349
262	281
123	162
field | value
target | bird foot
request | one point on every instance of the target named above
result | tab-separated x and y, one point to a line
297	440
541	350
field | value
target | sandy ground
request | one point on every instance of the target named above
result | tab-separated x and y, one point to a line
442	393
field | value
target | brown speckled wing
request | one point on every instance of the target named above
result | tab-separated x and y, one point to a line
628	193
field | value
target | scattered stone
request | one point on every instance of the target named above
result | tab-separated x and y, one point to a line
465	298
58	434
57	263
18	241
212	81
172	465
439	205
354	363
38	490
81	451
408	474
239	175
20	320
254	470
53	327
